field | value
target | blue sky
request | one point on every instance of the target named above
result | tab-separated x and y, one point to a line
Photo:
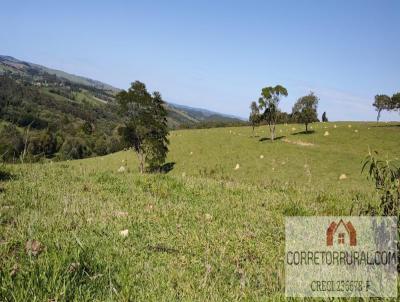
219	54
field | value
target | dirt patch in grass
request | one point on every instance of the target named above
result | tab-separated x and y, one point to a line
300	143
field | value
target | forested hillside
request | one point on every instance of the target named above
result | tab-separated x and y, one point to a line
50	113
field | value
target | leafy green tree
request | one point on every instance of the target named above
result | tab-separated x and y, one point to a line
395	103
324	118
382	102
269	101
305	109
146	127
255	117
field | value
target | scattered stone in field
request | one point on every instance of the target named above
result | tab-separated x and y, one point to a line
208	216
183	174
121	169
14	270
33	247
280	130
326	133
124	233
342	176
261	156
334	126
191	152
369	128
120	214
349	126
237	167
356	131
73	267
122	161
283	163
311	127
293	129
325	127
273	169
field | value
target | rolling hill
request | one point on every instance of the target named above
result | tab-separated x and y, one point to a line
98	92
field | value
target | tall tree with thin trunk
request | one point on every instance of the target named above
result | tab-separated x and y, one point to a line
254	115
382	102
269	101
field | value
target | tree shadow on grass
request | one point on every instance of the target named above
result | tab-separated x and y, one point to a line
304	132
268	138
385	126
167	167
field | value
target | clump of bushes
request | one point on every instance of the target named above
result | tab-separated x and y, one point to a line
74	148
11	143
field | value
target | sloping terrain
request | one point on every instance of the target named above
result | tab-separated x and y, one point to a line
212	229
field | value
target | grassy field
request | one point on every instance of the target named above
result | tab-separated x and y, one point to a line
210	229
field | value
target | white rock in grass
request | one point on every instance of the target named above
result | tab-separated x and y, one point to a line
237	167
342	176
349	126
356	131
334	126
261	156
191	152
124	233
326	133
293	129
121	169
183	174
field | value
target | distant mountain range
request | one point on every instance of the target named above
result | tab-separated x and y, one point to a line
96	91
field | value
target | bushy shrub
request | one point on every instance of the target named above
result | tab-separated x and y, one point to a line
100	147
11	143
43	143
74	148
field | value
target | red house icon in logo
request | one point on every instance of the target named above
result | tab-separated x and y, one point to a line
344	232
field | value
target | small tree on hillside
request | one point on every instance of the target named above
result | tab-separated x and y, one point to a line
145	125
269	100
324	118
254	115
382	102
305	109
